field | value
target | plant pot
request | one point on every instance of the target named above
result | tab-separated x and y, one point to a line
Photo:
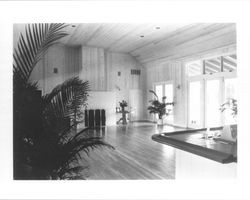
160	122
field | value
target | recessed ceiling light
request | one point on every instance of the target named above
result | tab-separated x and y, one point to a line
157	27
142	36
73	26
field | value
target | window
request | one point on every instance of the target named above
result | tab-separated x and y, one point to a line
195	104
194	68
213	102
230	93
229	63
214	65
159	92
170	98
212	84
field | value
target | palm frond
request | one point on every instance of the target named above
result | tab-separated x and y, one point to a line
72	173
67	98
30	48
77	145
64	156
154	93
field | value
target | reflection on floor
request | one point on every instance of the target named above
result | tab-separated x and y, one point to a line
136	155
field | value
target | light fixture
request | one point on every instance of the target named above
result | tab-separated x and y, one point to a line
142	36
157	27
73	26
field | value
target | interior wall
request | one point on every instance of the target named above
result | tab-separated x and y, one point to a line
65	60
92	68
107	102
123	63
96	65
101	68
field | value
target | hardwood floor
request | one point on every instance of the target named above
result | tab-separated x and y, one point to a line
136	155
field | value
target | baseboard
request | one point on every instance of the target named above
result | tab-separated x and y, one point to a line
179	126
143	120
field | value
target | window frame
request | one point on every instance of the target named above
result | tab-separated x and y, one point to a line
202	61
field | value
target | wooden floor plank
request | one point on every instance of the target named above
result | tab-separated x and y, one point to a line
136	155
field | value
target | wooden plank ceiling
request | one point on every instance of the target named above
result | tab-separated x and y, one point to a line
151	42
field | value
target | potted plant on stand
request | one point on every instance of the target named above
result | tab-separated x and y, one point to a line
123	104
159	107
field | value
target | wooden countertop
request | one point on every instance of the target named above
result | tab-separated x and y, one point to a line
193	141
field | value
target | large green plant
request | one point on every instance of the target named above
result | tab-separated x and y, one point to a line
46	142
158	107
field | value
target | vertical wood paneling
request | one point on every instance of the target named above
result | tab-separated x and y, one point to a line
72	62
117	62
93	67
54	59
65	59
101	68
96	65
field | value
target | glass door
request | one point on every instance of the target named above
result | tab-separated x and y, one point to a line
194	104
159	92
213	102
169	93
230	93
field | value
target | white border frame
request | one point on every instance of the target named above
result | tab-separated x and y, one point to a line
121	11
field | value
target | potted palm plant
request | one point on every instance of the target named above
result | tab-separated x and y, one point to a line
159	107
47	144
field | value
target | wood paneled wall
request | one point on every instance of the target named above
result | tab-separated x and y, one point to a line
123	63
65	59
92	67
96	65
101	68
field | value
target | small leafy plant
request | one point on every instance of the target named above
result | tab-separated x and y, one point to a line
123	104
158	107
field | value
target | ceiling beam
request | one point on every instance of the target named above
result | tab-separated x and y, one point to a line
214	62
228	67
211	67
